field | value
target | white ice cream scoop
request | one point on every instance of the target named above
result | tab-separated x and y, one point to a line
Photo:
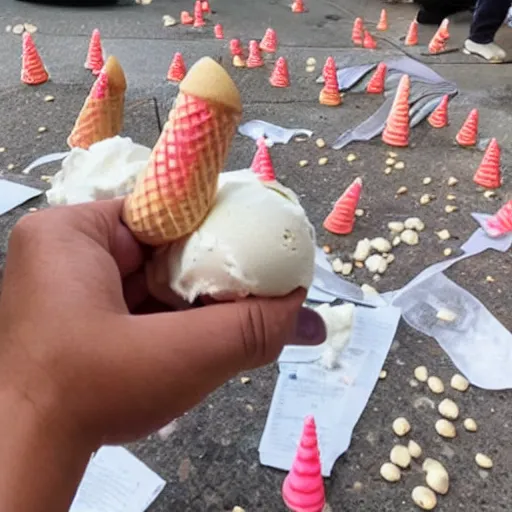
104	171
257	240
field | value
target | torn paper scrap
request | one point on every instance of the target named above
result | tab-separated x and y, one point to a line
336	398
477	343
13	195
116	481
276	134
46	159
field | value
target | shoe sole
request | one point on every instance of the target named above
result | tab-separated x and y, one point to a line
494	60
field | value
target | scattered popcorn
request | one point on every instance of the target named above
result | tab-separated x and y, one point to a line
427	180
401	190
320	143
310	69
390	161
337	265
351	157
326	249
388	170
359	212
447	252
444	234
414	223
323	160
49	98
363	249
380	244
451	197
490	279
346	269
311	61
392	154
303	163
376	264
245	380
452	181
396	227
450	208
488	194
42	129
399	166
396	241
409	237
446	315
425	199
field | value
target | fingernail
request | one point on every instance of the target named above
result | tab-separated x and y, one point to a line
310	328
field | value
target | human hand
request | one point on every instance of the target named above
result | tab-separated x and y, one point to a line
70	343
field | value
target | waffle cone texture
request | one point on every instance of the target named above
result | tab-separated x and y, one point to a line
174	194
102	114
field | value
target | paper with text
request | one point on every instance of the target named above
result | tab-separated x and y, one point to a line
336	398
116	481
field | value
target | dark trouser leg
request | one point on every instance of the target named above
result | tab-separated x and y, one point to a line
432	12
487	19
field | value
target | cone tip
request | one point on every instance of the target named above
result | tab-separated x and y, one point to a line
310	421
208	80
115	73
358	181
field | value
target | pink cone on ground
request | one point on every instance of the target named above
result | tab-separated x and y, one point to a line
235	47
263	166
411	39
468	133
95	60
439	117
198	15
330	93
341	219
383	21
280	76
205	6
218	31
368	41
298	6
501	222
269	42
255	164
378	80
177	69
488	174
396	131
33	71
357	32
186	18
254	60
303	487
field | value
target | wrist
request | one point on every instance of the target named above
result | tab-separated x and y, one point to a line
41	460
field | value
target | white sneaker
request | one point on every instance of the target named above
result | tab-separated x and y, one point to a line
490	52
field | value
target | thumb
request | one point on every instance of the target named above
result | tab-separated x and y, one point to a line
199	349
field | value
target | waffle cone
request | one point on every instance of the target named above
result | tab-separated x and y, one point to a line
357	32
383	21
330	94
101	117
501	222
280	76
176	191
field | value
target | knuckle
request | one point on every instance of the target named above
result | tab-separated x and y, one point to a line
25	229
254	331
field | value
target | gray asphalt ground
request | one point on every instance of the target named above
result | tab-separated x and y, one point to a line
211	461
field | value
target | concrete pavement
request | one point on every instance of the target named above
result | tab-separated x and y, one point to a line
211	460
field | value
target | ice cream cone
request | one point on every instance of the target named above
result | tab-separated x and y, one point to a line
198	15
383	21
368	41
186	18
235	47
488	175
174	194
303	487
254	60
177	69
411	39
263	166
357	32
218	30
298	6
205	7
33	71
239	62
102	114
378	80
269	42
439	117
438	42
396	131
95	60
468	133
330	93
501	222
280	76
341	220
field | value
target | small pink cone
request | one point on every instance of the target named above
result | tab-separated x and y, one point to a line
439	117
235	47
303	487
396	130
468	133
269	42
94	60
411	39
298	6
341	220
205	6
488	174
262	163
218	30
368	41
198	15
500	223
254	60
378	80
383	21
280	76
177	69
357	32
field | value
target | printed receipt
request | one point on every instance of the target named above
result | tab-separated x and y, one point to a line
336	398
116	481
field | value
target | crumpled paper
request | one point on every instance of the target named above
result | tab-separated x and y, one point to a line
275	134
